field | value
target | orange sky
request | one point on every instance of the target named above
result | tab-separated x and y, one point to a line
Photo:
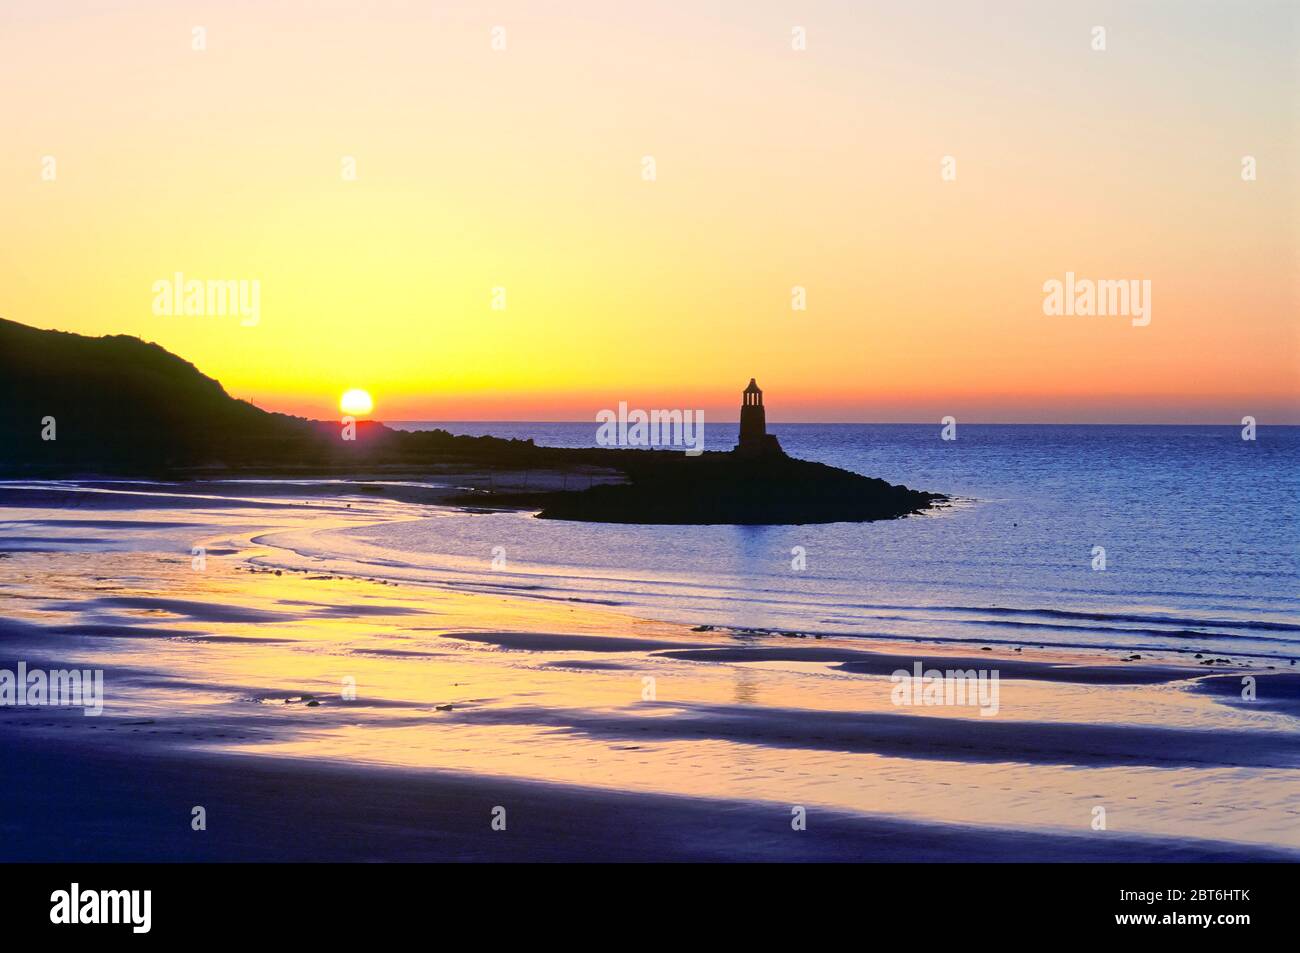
521	169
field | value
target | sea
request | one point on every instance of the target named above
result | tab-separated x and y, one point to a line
1157	539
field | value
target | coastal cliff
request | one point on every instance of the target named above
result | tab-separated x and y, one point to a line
117	406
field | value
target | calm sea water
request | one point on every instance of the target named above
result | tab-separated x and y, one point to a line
1200	531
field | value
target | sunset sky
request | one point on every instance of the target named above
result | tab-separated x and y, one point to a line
522	168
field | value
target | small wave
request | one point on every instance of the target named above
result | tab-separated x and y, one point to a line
1134	617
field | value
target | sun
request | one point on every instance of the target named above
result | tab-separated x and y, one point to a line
355	403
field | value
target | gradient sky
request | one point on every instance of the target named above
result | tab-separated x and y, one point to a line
522	168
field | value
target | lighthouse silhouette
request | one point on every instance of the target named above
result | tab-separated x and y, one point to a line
754	438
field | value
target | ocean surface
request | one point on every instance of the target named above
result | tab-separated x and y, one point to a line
321	623
1200	531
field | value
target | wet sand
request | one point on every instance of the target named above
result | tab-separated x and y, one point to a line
107	804
321	717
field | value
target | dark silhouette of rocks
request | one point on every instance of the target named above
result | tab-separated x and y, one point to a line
728	487
756	483
123	407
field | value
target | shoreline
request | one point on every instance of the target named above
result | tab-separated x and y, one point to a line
1059	661
233	675
1196	657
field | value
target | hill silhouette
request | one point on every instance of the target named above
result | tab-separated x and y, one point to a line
124	407
118	406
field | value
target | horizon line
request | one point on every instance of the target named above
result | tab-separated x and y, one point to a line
860	423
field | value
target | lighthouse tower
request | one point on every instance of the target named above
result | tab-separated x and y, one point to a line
754	438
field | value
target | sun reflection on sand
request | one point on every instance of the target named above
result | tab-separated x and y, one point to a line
261	662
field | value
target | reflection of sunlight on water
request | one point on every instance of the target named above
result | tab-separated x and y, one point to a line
746	687
859	579
1171	802
512	714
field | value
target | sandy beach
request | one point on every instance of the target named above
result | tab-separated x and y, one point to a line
320	716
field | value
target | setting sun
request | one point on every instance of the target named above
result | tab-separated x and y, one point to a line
356	402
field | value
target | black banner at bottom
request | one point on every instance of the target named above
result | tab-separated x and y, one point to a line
329	902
